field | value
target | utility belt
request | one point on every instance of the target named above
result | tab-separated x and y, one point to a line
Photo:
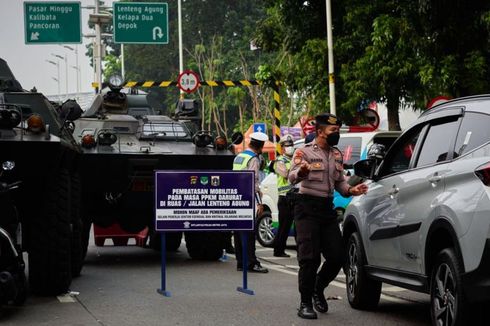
291	193
314	207
311	198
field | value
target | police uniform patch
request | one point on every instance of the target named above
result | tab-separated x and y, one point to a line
317	166
298	157
339	166
339	162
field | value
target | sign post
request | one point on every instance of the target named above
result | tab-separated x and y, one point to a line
204	201
188	81
140	22
259	127
52	22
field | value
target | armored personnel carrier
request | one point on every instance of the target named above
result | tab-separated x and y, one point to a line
123	144
39	142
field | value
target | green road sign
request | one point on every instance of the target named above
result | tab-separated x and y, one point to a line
140	22
52	22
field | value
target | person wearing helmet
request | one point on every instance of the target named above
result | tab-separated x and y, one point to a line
318	168
249	159
281	167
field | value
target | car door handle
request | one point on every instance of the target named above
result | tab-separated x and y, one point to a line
394	191
435	178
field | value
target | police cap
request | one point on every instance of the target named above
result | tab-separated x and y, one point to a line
259	136
286	140
327	119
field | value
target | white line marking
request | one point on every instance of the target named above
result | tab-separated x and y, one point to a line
275	258
393	289
334	283
66	298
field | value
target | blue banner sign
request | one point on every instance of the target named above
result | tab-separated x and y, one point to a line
204	200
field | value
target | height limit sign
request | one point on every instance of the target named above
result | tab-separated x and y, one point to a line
140	22
188	81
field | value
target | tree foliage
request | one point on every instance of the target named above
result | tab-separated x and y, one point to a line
401	52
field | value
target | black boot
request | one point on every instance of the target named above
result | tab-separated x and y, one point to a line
306	311
319	302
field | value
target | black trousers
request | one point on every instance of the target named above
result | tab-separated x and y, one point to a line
318	234
285	221
252	259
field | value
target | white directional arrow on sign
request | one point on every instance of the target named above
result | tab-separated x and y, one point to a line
259	129
35	36
157	31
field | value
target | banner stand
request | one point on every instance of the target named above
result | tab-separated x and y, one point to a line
244	289
163	290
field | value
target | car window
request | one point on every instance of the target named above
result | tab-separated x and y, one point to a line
351	149
436	145
387	141
398	158
474	131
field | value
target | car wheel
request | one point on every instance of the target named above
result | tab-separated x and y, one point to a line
362	292
265	233
448	304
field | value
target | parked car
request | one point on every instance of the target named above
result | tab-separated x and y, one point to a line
354	147
424	224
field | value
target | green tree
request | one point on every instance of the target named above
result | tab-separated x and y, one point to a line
398	51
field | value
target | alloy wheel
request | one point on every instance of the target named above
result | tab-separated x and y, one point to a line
445	301
265	230
352	273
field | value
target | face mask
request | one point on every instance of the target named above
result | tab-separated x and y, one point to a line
289	151
333	139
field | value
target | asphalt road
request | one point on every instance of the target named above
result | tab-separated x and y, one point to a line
118	287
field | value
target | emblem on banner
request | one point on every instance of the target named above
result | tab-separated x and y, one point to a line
187	224
215	180
204	180
193	179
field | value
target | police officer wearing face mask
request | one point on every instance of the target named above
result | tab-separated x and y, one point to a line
282	167
318	169
251	159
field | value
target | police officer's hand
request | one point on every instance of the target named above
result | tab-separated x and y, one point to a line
304	169
359	189
260	210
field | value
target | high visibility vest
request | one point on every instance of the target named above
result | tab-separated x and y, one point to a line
283	184
241	160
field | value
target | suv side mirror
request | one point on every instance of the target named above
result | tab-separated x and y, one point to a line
365	168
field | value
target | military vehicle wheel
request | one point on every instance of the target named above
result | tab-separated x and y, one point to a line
50	240
172	241
86	226
205	245
21	296
76	227
131	223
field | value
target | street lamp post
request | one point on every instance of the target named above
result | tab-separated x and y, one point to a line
76	66
66	71
331	74
57	64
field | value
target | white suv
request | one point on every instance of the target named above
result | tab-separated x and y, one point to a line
425	222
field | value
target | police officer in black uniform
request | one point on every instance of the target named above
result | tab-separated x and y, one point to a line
318	168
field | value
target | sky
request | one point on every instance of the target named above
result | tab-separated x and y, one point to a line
28	62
